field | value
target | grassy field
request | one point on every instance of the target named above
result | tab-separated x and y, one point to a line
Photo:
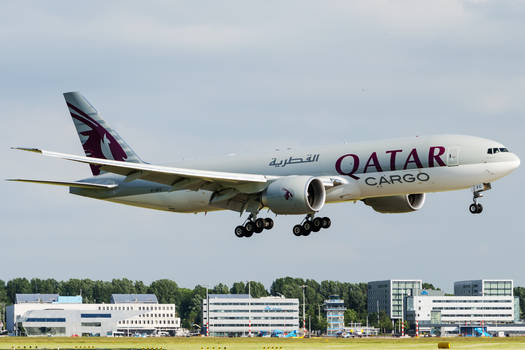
257	343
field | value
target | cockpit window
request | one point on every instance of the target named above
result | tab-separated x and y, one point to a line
497	150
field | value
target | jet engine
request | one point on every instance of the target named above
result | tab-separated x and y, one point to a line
294	195
396	204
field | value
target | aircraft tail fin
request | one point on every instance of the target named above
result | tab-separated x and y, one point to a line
98	139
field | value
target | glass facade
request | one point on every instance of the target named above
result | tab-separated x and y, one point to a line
401	289
45	331
484	288
497	288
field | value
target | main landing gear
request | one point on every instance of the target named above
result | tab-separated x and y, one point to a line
311	224
475	207
252	225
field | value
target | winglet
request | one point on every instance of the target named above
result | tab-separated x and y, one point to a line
35	150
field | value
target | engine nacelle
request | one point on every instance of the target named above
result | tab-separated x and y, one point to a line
397	204
295	195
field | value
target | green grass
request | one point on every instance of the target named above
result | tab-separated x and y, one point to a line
198	343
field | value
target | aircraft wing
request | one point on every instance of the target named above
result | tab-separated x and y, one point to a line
79	184
178	178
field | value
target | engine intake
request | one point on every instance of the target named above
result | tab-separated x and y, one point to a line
295	195
396	204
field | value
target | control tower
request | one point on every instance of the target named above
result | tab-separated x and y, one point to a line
335	315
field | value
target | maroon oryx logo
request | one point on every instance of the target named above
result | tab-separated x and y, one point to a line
287	194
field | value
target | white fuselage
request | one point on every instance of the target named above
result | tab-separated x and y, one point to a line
356	170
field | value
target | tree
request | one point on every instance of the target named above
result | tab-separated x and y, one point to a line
122	286
257	289
102	291
220	289
17	286
429	286
385	325
140	287
165	290
238	288
71	287
351	316
4	299
357	297
48	286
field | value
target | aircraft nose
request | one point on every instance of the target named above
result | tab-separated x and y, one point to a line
515	162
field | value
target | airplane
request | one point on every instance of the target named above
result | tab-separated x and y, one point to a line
391	176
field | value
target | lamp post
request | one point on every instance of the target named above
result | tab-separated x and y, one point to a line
304	314
207	313
2	319
249	310
402	313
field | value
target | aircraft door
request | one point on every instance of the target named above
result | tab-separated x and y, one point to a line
453	156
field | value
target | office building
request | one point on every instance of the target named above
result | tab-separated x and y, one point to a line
388	296
460	309
484	287
237	315
54	315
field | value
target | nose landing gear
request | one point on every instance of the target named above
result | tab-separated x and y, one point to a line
475	207
252	225
311	224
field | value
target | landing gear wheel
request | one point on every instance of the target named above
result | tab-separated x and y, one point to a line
259	224
249	227
479	208
317	224
297	230
268	223
473	208
240	231
326	222
248	234
307	228
258	229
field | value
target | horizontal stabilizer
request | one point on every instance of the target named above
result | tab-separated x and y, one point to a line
78	184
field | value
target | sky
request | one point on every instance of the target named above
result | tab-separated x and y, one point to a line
198	79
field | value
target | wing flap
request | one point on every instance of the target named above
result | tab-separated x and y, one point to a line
78	184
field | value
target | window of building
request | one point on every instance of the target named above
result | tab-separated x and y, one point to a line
91	324
95	315
46	319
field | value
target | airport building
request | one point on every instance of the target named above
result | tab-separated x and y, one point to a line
388	296
461	309
237	315
484	287
335	315
474	302
54	315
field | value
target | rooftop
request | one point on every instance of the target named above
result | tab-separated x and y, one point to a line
36	298
134	299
